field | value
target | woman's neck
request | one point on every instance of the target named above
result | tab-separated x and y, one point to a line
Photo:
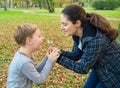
26	51
79	32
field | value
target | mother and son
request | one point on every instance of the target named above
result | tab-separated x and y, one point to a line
95	49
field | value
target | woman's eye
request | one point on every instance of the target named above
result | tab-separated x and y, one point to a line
65	24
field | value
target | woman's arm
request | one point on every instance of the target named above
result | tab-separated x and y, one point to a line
91	52
75	54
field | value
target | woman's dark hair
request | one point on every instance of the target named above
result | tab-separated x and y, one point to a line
75	12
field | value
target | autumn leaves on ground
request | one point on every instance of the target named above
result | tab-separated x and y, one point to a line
60	77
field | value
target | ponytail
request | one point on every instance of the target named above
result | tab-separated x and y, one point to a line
102	24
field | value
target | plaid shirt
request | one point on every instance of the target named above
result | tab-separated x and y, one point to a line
98	52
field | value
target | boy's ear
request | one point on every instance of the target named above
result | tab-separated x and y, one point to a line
78	23
28	41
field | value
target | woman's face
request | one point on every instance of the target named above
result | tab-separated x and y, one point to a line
67	26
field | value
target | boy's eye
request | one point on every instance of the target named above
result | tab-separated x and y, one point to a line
39	36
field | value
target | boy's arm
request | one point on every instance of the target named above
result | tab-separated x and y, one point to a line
38	77
40	66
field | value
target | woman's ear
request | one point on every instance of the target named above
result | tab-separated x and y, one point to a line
28	41
78	23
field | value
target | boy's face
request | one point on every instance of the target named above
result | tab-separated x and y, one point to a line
36	40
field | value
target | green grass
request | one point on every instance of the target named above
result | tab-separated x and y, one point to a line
49	23
106	13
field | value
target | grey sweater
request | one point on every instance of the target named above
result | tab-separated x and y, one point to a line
22	71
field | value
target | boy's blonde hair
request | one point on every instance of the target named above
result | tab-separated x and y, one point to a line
24	31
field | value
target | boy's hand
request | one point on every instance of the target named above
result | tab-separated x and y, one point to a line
50	49
54	55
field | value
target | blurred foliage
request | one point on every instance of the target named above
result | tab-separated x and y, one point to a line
106	4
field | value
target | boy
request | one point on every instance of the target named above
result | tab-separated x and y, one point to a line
22	71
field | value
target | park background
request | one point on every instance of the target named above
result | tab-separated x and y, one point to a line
46	14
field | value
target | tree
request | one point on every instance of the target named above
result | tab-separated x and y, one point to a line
106	4
5	5
50	4
27	3
39	3
10	4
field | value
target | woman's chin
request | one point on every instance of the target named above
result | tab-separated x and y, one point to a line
67	35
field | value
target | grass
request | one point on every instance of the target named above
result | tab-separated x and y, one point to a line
50	26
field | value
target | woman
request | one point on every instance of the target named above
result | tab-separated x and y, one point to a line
94	45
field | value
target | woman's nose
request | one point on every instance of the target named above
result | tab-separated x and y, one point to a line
61	27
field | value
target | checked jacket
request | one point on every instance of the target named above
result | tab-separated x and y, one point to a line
98	52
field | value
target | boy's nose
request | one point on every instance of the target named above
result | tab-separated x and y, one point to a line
42	39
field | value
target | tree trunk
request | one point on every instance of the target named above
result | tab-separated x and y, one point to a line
10	4
39	3
5	5
50	5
